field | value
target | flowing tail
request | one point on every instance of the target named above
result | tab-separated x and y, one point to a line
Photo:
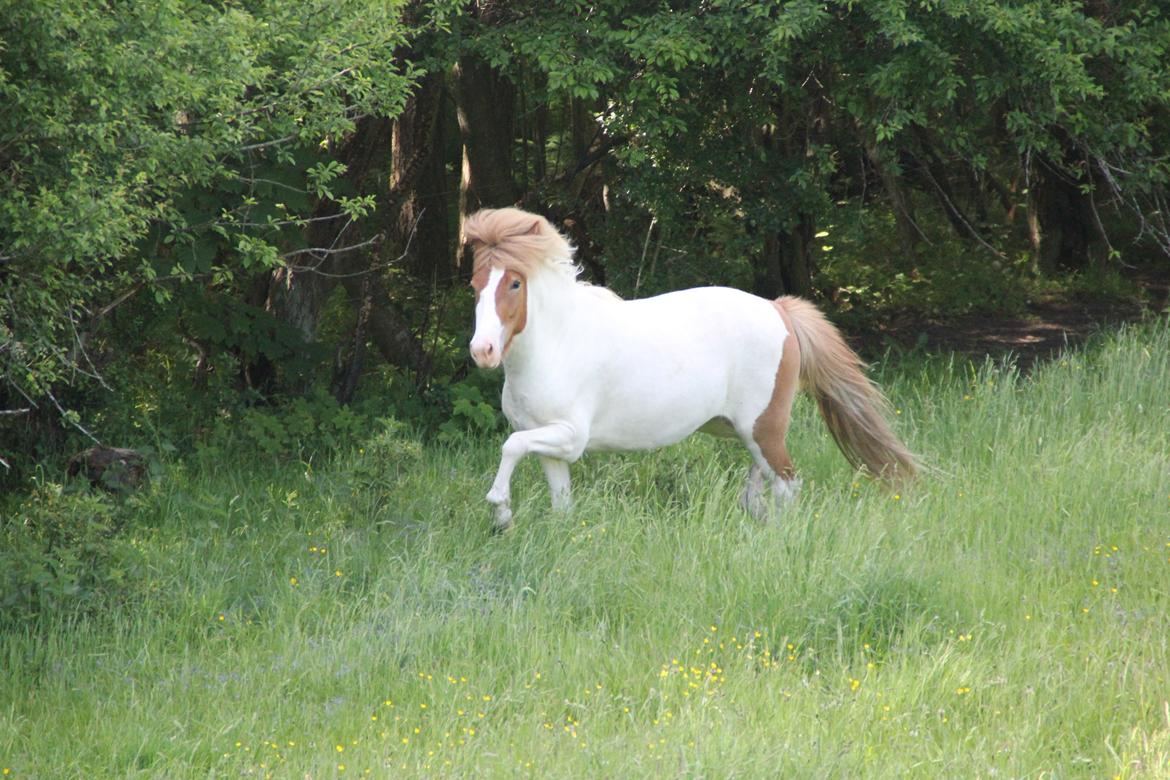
853	407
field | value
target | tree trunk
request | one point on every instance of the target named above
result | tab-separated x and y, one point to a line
540	132
1061	223
784	263
580	188
909	236
485	106
410	143
387	326
768	280
796	257
298	294
348	368
418	229
259	373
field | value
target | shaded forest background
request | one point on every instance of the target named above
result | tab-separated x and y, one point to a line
234	226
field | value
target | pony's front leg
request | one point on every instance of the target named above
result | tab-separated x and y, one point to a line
560	441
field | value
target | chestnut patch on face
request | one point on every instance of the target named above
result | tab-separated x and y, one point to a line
512	304
479	279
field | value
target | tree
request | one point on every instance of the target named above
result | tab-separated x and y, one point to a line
129	170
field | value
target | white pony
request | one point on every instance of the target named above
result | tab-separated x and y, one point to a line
586	370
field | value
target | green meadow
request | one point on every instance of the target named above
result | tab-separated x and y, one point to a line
352	616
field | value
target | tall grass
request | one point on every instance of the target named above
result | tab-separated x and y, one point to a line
1007	616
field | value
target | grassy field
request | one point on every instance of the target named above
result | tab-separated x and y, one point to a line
1008	616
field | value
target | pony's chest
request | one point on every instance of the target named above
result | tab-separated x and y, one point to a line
530	404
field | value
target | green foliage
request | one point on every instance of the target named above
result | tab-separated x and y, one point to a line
246	333
299	427
769	115
63	552
388	452
310	426
471	413
126	167
863	268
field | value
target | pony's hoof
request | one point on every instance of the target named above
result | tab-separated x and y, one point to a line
785	491
503	519
754	505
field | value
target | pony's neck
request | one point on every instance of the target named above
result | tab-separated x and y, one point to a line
556	303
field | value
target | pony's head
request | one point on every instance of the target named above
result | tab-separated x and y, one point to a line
512	248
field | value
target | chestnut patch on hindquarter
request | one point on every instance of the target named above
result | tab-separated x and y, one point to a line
771	427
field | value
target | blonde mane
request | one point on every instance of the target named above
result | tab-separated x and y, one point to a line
518	240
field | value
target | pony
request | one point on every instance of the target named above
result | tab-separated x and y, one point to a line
587	370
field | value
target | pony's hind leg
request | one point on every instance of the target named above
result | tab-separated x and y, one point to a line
766	438
762	478
752	498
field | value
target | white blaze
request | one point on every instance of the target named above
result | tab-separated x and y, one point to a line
489	331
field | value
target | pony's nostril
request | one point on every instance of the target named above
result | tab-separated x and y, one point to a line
484	353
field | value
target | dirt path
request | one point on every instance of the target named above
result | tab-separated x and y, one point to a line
1049	326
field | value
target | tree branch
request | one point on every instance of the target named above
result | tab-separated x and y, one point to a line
65	416
324	253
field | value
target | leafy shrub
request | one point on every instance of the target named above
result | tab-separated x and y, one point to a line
386	455
470	413
864	271
297	427
62	551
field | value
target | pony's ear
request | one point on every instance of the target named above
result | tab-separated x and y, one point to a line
535	229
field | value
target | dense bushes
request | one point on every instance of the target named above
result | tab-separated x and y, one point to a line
64	551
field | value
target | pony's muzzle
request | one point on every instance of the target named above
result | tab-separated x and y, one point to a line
485	353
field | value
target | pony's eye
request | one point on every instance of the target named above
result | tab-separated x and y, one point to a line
516	285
